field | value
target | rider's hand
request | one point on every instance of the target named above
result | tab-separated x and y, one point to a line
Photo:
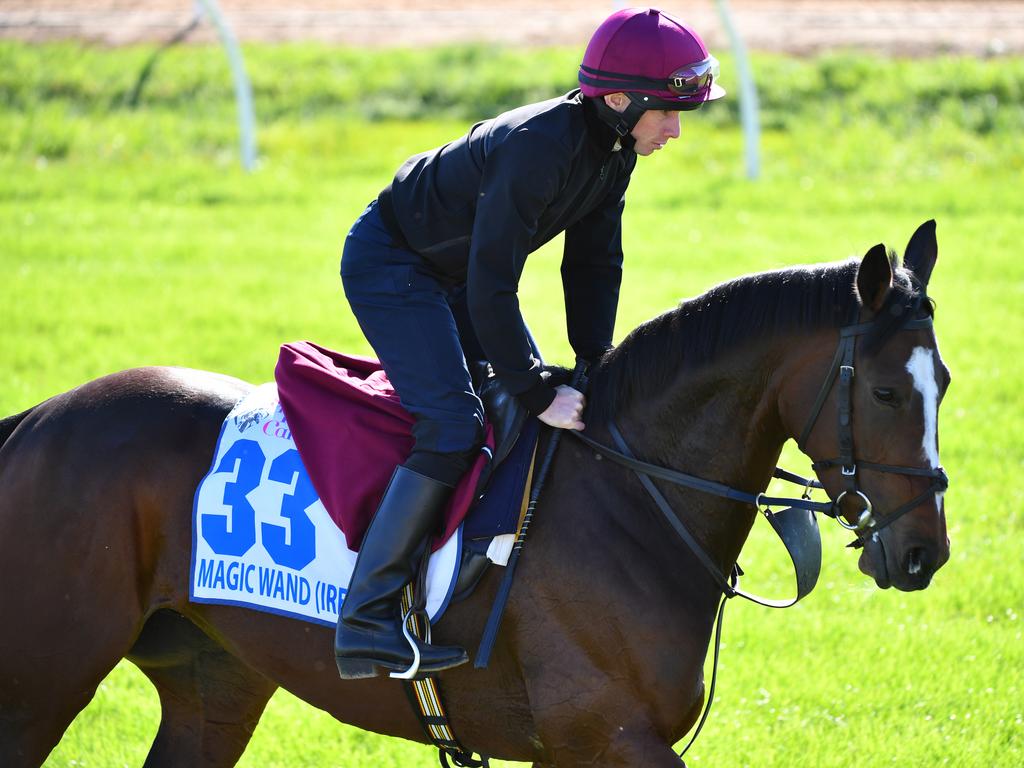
565	410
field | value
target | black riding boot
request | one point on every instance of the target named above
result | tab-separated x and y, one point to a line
369	632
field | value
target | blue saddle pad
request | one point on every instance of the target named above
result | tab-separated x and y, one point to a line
497	511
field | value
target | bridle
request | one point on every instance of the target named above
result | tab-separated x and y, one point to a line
840	375
795	525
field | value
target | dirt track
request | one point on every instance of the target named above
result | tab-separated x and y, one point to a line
901	27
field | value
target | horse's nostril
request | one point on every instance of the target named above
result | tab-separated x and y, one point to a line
915	560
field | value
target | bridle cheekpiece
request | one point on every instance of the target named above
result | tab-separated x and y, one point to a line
841	375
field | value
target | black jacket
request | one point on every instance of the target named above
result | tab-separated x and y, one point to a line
476	207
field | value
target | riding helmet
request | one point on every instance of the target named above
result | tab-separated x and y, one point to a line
654	58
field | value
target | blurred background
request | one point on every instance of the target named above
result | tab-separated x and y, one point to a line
907	27
131	234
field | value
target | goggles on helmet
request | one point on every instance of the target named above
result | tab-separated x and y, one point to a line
690	81
694	78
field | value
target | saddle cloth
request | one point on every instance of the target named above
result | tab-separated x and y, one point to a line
352	431
262	536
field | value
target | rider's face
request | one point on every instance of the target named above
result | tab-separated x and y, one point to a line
654	130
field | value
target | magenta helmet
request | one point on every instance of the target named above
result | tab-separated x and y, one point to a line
658	61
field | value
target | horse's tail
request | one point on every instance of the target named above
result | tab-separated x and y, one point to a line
8	425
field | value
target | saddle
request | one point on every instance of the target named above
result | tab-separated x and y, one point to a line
504	413
351	430
508	418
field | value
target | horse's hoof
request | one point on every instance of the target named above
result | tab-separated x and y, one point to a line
356	669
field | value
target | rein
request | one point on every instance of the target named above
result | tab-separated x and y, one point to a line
840	374
807	572
795	525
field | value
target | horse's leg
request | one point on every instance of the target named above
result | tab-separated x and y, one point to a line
605	727
49	671
38	701
68	613
609	721
210	702
87	479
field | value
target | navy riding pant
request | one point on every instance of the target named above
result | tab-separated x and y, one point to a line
418	325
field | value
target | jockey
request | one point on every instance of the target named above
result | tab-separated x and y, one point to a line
431	269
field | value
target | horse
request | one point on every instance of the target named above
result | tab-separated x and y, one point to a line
100	480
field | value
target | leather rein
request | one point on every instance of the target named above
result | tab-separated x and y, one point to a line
840	374
795	525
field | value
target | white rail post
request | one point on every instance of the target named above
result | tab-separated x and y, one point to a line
243	89
749	114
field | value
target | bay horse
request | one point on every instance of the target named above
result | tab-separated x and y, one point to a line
600	656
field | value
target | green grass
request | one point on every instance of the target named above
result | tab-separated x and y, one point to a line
130	237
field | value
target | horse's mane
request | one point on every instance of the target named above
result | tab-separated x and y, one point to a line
9	424
734	314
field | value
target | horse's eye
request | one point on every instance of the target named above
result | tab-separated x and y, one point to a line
886	396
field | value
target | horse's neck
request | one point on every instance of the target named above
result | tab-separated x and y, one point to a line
719	423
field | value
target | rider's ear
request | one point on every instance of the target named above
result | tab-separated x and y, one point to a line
874	278
617	101
922	250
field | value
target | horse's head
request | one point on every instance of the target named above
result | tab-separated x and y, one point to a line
872	426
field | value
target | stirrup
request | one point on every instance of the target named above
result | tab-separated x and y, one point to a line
414	668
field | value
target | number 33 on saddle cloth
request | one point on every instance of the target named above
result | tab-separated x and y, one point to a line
297	475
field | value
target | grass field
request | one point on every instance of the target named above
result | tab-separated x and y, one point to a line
130	237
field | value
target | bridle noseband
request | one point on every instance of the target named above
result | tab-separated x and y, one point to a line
796	525
841	375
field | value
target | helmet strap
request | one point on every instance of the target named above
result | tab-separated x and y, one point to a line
621	122
629	118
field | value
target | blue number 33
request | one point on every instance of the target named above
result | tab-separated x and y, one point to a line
292	546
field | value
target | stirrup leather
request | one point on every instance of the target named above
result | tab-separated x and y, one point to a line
411	631
425	695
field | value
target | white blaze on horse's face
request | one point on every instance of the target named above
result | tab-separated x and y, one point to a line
921	368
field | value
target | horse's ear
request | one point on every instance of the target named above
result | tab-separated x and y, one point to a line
874	278
922	250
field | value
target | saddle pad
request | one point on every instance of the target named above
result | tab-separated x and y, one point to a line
262	539
352	432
